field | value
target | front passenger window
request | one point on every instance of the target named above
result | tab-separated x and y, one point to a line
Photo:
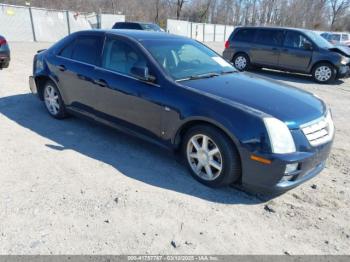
120	57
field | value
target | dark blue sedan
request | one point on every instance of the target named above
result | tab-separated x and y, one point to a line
231	127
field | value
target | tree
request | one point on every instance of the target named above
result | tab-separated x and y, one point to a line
338	8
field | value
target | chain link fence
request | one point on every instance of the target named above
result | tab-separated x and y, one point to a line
200	31
18	23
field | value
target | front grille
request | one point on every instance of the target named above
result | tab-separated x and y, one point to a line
320	131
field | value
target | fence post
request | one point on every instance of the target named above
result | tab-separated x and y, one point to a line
99	20
32	23
225	33
191	30
214	32
68	23
203	32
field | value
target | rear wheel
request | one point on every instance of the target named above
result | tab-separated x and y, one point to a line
211	157
241	62
53	101
324	73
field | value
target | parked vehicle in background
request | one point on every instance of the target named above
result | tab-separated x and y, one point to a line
231	127
138	26
288	49
337	38
4	53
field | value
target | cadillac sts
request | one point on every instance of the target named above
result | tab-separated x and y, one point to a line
230	127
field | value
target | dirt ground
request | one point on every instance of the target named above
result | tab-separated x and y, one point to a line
74	187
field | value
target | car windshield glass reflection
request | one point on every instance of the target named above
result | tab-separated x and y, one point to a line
187	60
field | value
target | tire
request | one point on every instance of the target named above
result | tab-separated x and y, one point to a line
53	100
241	62
224	165
324	73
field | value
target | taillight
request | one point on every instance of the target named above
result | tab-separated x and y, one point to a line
227	44
2	41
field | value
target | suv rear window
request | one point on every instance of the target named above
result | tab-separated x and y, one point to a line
269	37
127	26
244	35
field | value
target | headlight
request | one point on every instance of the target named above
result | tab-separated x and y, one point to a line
344	60
280	137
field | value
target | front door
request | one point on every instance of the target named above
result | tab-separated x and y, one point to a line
122	98
296	53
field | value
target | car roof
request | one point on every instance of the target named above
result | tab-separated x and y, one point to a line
136	22
276	27
138	34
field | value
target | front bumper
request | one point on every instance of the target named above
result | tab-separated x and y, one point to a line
270	178
344	71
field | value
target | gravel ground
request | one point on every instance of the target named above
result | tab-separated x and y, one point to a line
74	187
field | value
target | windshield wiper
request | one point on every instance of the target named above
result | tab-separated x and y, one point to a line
228	72
206	75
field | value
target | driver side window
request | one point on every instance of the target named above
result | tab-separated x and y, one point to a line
295	40
120	57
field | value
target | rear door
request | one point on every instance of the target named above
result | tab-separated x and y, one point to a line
296	53
267	47
75	69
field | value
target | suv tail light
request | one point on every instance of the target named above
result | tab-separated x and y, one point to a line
227	44
2	41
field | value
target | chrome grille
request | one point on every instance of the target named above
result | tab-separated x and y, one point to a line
320	131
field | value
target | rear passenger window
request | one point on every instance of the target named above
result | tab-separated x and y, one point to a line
269	37
67	51
244	35
87	49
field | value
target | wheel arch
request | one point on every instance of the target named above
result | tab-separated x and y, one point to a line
322	62
40	82
238	53
178	140
181	131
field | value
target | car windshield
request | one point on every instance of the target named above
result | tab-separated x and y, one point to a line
187	59
318	40
151	27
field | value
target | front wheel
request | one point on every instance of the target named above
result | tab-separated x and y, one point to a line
211	157
324	73
53	101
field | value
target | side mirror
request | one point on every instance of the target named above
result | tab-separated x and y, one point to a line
307	46
142	73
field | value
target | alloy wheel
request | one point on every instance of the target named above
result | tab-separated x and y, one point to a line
51	99
204	157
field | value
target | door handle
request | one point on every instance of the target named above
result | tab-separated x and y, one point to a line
62	68
101	82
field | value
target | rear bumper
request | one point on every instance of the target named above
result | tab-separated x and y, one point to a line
271	179
32	85
4	60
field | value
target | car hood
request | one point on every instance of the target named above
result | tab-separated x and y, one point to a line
343	50
289	104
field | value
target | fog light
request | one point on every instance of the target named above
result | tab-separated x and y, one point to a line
290	168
